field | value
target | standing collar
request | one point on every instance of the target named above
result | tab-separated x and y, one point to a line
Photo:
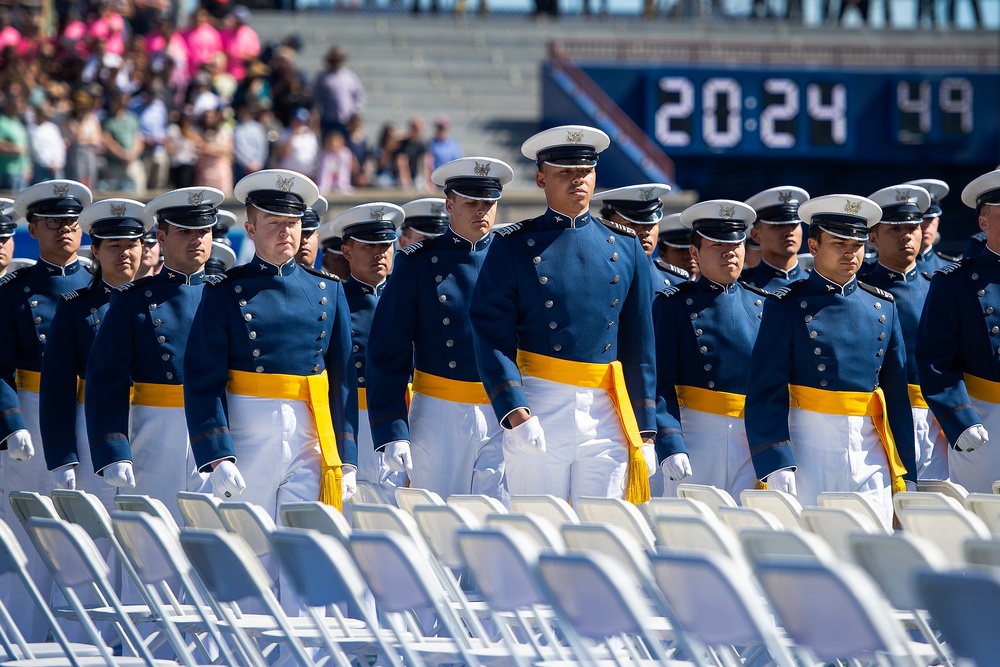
829	286
790	273
364	287
566	221
454	239
713	286
56	270
894	275
262	266
175	276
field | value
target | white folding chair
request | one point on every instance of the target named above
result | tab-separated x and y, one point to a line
370	493
439	525
907	499
835	525
251	523
550	508
620	513
147	505
996	487
832	611
947	527
978	551
200	510
314	515
407	498
656	507
479	505
760	544
945	487
783	506
712	496
987	507
738	518
541	532
965	605
612	541
861	505
697	533
717	607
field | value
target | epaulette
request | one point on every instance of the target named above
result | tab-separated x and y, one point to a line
617	228
979	236
11	277
788	290
670	268
412	249
215	278
948	258
756	290
877	291
516	228
75	294
954	266
926	275
674	290
127	286
321	273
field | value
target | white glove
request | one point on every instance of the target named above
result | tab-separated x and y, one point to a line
676	467
120	473
910	486
227	482
19	445
65	477
782	480
349	481
971	439
396	455
649	453
527	437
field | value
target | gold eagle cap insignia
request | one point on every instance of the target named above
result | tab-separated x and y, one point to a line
118	210
574	137
903	196
483	169
727	212
852	207
196	198
61	190
785	196
377	213
285	184
437	209
645	194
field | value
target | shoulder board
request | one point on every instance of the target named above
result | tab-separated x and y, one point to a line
753	288
516	228
75	294
135	283
948	258
955	266
674	290
979	236
413	248
670	268
877	291
320	272
926	275
215	278
11	277
617	228
788	290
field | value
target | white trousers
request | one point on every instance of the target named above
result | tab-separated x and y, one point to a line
456	448
977	470
371	467
161	456
586	448
932	446
839	453
719	453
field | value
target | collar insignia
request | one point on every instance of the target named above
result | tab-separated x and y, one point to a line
727	212
263	267
483	169
171	275
118	210
285	184
51	269
785	196
60	190
196	198
830	288
852	207
574	137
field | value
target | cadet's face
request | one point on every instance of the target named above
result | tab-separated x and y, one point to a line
837	259
989	222
184	249
928	228
308	247
6	252
409	237
119	259
471	218
336	264
780	240
647	233
567	189
58	238
275	237
719	262
370	262
682	257
150	255
897	245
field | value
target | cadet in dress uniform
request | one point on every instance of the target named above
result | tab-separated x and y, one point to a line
224	221
449	441
272	400
958	354
705	331
8	225
898	271
309	244
831	347
141	346
222	259
564	336
778	230
425	219
369	232
28	299
673	245
333	261
152	255
928	259
640	208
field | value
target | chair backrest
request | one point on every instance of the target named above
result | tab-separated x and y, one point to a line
319	567
439	525
673	505
617	512
550	508
85	510
945	487
370	493
250	522
367	516
996	487
761	543
785	507
612	541
982	552
987	507
862	505
407	498
147	505
200	510
504	565
738	518
697	533
946	526
314	515
30	504
540	532
907	499
965	605
892	561
479	505
835	525
712	496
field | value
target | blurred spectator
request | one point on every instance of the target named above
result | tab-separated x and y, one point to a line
202	39
182	146
255	89
413	161
250	146
9	36
270	122
362	150
201	96
72	33
48	149
83	133
33	36
122	147
339	93
443	147
386	165
147	13
153	121
165	40
223	83
298	147
15	161
288	86
108	28
240	41
215	161
336	165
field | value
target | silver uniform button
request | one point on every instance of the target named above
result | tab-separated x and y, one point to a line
813	334
322	335
994	330
549	304
38	320
989	310
552	325
322	285
434	259
356	348
442	298
614	303
543	279
607	347
148	293
170	376
757	302
242	302
93	311
157	322
975	276
165	357
808	318
817	351
161	339
41	337
256	353
707	367
438	279
711	385
821	367
237	289
446	321
802	304
536	260
358	364
981	292
322	301
689	301
530	242
882	319
698	332
152	306
452	364
253	335
316	368
614	281
611	239
823	383
557	347
248	317
322	316
703	349
449	343
881	336
694	316
614	257
878	306
259	369
361	380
